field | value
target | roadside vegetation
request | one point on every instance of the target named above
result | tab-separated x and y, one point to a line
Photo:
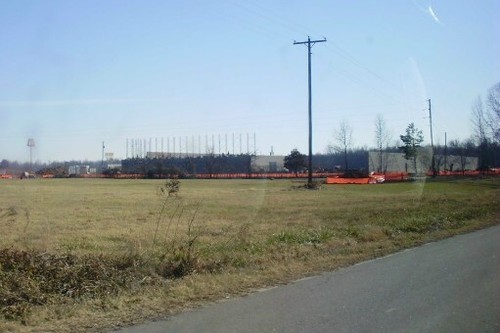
91	255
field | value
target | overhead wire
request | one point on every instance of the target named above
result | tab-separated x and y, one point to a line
282	23
293	26
267	15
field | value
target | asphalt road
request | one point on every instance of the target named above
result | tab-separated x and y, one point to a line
447	286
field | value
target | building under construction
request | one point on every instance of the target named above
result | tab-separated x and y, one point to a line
167	165
161	165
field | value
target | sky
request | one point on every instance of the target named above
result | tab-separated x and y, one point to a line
76	74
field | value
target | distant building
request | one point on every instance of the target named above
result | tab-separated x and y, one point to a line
395	162
116	166
78	170
266	163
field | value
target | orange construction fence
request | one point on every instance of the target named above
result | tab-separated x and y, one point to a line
372	179
339	180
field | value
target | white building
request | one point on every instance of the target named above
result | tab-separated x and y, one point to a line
78	170
265	163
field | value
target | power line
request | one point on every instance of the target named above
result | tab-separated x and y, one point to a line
283	23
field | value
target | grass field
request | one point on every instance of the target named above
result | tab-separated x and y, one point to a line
89	255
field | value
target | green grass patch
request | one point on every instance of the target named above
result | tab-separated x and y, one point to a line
302	236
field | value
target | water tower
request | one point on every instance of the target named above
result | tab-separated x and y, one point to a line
31	145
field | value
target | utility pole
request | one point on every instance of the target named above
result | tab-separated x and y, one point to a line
102	160
310	43
433	160
445	152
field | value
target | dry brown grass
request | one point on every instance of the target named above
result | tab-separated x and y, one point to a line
246	234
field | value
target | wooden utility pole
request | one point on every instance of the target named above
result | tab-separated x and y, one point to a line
433	160
102	159
445	152
309	44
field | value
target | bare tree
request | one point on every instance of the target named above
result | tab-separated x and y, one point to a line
440	158
343	140
479	122
461	149
493	117
382	138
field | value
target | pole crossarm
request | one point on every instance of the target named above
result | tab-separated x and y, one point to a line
308	41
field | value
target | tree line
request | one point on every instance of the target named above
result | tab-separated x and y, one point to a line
484	143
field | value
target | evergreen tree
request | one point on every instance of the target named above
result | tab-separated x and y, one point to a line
411	140
295	161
